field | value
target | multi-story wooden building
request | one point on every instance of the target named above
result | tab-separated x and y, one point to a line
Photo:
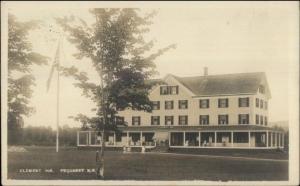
209	111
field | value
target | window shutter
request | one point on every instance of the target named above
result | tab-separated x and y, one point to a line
160	90
177	89
247	118
240	119
219	102
169	89
227	119
158	105
152	120
240	99
227	102
207	119
247	102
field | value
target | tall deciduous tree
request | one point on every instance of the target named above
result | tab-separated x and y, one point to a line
123	59
20	80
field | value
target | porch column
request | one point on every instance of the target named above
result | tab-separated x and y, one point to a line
87	138
282	140
267	140
231	138
215	138
169	139
249	136
141	138
128	138
276	139
199	136
77	138
183	138
279	139
90	137
271	133
115	139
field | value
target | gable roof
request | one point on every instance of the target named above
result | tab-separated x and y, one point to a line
225	84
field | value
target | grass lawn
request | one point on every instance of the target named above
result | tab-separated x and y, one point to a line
136	166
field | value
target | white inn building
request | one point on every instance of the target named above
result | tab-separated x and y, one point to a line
209	111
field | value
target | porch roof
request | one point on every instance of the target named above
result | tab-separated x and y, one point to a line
199	128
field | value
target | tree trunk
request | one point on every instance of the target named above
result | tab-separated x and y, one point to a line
100	158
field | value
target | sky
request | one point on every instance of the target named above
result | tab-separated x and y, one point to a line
225	37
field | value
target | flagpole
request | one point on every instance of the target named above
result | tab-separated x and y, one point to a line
57	101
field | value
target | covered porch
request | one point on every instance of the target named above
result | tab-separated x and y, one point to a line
255	139
116	139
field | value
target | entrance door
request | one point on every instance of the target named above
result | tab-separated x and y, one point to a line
162	138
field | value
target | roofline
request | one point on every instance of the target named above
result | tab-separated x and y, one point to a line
175	78
215	95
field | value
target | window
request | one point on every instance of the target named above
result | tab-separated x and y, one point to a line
173	90
223	103
155	105
204	120
257	119
169	120
204	103
257	102
166	90
169	105
266	120
119	120
136	120
243	118
155	120
261	120
183	104
183	120
266	105
223	119
243	102
261	89
261	104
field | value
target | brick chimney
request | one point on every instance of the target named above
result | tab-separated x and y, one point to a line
205	71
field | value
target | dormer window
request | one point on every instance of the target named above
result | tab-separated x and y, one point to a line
261	89
168	90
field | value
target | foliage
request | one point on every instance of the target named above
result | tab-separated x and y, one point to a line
121	56
45	136
20	80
